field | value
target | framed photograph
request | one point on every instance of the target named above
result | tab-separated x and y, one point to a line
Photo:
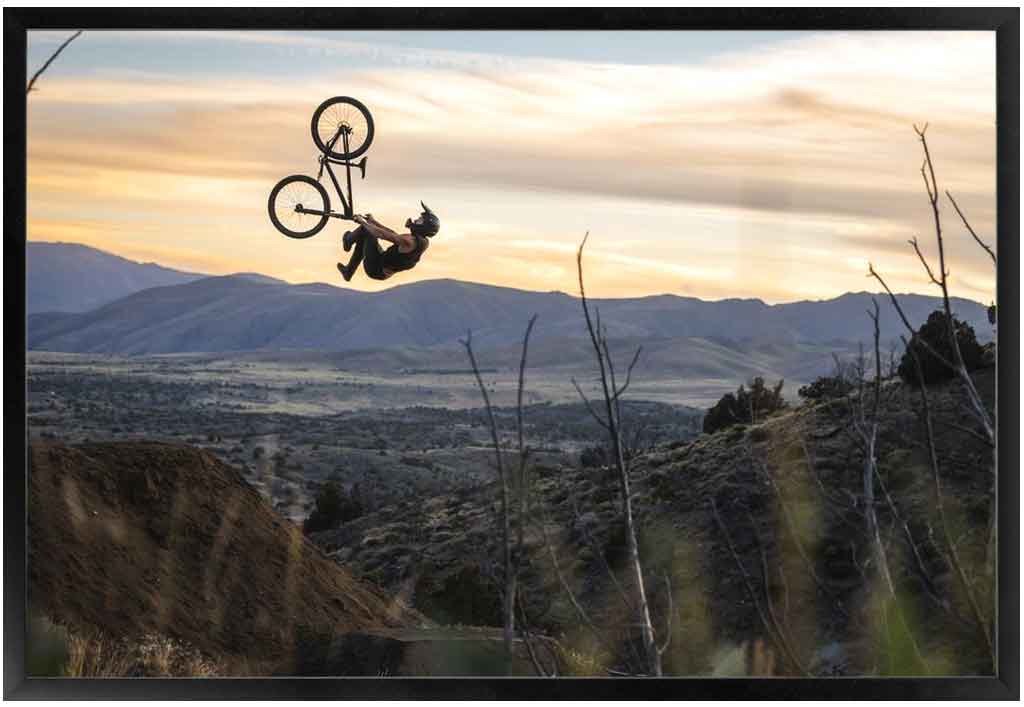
537	354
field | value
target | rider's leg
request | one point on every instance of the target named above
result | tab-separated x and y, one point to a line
372	258
367	252
347	271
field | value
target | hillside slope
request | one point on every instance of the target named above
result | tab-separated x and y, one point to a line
440	553
149	538
70	277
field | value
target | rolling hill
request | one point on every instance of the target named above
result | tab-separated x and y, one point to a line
70	277
245	313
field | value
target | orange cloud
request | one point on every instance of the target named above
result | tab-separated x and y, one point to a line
767	173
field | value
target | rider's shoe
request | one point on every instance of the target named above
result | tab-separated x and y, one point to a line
349	239
345	273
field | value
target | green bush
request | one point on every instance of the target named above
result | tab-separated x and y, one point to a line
935	333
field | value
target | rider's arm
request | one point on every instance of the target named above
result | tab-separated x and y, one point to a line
371	219
404	241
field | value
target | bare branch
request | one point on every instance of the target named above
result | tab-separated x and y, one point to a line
629	373
569	593
523	487
791	525
906	323
960	369
590	407
920	256
747	582
969	229
668	617
509	594
780	629
44	67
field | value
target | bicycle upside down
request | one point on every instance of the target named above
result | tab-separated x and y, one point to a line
300	207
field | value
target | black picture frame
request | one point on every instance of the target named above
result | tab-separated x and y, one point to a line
1005	22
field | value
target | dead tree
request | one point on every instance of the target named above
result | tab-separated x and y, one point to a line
942	281
510	566
44	67
956	365
611	422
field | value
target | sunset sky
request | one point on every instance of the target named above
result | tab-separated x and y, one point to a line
709	164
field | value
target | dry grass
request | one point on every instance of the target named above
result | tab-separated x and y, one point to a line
151	656
95	655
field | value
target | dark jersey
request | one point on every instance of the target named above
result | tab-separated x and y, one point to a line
395	260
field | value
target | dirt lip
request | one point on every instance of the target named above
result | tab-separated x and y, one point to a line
133	538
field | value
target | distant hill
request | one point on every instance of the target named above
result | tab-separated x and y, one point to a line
247	313
70	277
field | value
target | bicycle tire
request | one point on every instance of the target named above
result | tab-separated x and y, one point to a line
278	210
332	113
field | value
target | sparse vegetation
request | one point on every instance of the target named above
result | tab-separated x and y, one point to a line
57	651
830	387
745	406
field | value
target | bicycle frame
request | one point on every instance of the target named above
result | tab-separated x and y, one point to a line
325	161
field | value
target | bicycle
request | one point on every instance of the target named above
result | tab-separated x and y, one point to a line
299	206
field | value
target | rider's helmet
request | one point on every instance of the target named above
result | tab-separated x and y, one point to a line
428	224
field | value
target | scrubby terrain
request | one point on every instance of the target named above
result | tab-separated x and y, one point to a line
788	487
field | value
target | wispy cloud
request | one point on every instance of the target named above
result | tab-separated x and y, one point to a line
800	154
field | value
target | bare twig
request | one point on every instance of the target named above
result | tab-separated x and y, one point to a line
669	617
747	582
961	371
590	408
924	262
509	596
779	627
584	617
791	525
44	67
629	373
970	230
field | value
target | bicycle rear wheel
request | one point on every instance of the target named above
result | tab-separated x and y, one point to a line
338	114
290	198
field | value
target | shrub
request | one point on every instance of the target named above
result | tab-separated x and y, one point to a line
332	508
744	406
936	334
826	388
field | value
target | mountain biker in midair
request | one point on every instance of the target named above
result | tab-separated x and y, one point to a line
403	254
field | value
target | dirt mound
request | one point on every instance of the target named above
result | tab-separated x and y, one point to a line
136	538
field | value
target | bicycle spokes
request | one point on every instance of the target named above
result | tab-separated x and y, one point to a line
299	206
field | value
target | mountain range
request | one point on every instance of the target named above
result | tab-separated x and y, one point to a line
70	277
176	312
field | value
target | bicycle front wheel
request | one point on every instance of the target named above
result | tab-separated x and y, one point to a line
338	115
291	202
